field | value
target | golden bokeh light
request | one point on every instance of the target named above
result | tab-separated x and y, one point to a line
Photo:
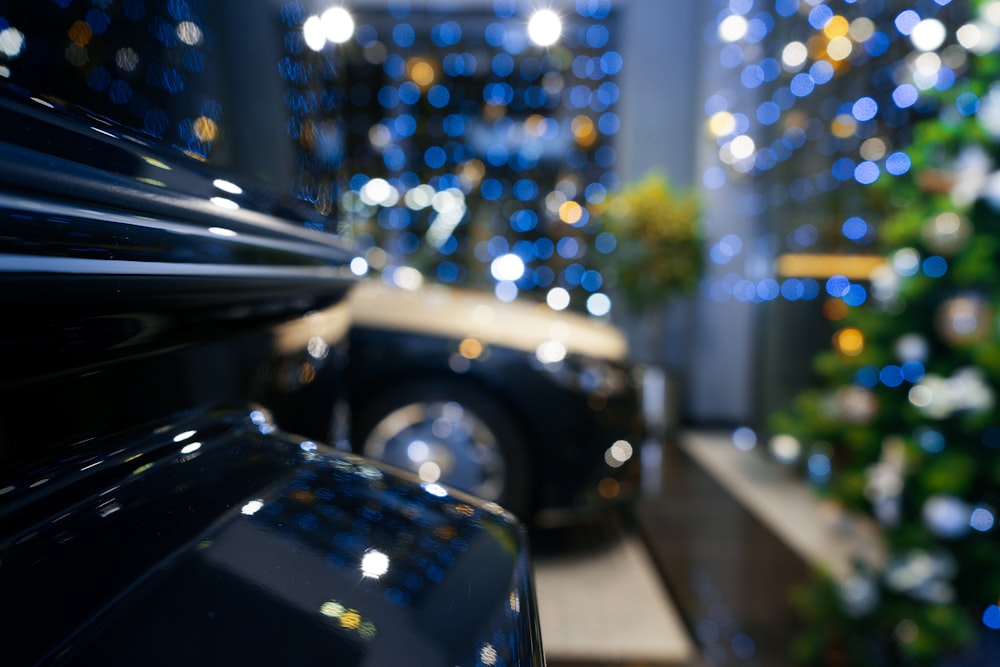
470	348
843	126
835	309
80	33
421	72
608	488
850	341
584	130
721	124
350	619
205	129
570	212
474	170
836	27
534	125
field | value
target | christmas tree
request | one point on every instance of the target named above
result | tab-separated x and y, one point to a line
906	414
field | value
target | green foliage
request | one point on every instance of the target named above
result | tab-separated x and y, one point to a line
659	241
937	455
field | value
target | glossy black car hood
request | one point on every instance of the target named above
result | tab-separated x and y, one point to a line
222	541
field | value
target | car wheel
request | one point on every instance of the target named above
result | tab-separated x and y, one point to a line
452	434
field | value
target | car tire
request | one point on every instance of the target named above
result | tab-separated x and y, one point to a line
451	433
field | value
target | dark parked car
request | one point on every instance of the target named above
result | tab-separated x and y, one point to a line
514	402
151	511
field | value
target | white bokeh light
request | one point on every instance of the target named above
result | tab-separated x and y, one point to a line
374	564
313	33
598	304
544	27
928	35
794	55
733	28
507	267
557	298
11	42
359	266
338	26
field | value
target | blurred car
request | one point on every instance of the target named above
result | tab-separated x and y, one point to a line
540	412
151	512
514	402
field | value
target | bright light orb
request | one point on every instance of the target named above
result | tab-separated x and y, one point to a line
359	266
742	147
374	564
313	33
338	26
544	27
252	507
227	186
794	55
928	35
551	352
598	305
11	42
507	267
557	298
733	28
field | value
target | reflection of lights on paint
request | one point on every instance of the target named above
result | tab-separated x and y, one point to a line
227	204
186	435
374	564
222	231
252	507
191	448
435	490
544	27
11	42
227	186
189	33
488	655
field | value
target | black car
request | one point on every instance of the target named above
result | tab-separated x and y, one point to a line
154	318
529	407
514	402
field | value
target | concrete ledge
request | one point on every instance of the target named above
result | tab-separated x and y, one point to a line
822	534
607	606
